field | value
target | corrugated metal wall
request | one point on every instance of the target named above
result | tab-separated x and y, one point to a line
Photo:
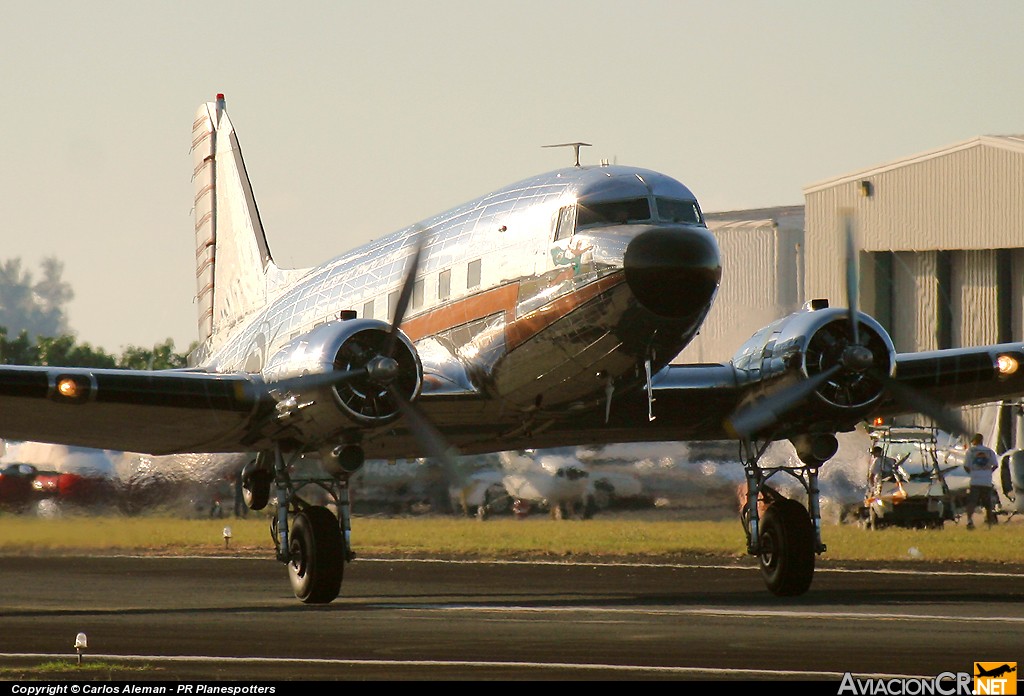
1017	292
762	266
914	323
975	298
968	197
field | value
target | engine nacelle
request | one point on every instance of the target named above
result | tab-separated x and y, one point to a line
351	351
807	344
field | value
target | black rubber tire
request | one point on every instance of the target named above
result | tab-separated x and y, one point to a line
255	487
317	556
787	548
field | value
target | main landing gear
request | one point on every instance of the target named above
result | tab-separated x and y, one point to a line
782	533
310	538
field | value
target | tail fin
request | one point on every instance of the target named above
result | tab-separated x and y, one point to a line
232	255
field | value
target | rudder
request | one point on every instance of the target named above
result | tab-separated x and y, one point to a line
232	255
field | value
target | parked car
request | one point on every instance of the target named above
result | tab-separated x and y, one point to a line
16	492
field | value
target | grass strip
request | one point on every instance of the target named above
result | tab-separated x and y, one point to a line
500	538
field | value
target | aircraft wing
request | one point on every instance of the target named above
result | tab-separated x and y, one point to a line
961	376
163	412
157	412
689	403
179	411
694	402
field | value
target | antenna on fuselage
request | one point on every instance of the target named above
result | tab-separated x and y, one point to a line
574	146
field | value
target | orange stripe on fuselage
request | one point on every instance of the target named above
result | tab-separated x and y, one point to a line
524	328
503	299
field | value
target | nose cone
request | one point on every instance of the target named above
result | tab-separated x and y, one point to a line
673	271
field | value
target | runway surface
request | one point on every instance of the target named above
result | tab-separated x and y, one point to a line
235	618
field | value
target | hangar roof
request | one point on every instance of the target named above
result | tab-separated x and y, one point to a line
1012	143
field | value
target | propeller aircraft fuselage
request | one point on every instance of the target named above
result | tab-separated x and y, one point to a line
544	314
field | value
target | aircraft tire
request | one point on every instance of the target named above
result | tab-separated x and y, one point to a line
255	487
787	548
316	548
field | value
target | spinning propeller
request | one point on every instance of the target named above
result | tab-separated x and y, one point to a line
374	366
854	365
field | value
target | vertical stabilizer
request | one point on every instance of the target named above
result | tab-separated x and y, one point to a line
232	256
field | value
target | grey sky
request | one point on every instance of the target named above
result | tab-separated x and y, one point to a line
359	118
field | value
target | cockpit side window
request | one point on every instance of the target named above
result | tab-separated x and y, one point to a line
613	212
675	210
566	222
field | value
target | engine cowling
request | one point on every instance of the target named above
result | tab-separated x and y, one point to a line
339	374
808	344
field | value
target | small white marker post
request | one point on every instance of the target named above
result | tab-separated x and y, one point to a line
81	643
227	537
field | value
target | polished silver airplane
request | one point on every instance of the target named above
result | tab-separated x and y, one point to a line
543	314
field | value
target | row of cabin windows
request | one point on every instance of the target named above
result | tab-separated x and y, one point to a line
444	290
623	212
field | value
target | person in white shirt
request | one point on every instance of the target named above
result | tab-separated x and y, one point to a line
980	461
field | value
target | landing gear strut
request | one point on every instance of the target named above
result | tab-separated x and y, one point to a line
316	545
787	536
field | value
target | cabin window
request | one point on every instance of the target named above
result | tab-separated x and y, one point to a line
417	294
368	310
393	303
473	274
613	212
566	222
675	210
444	285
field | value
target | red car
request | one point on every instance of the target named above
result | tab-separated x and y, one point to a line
16	491
21	485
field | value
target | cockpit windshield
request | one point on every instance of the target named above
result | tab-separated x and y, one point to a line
675	210
632	210
612	212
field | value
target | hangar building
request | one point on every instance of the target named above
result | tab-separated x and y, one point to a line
941	236
941	240
941	252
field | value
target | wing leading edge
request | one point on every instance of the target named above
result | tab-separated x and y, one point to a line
693	402
156	412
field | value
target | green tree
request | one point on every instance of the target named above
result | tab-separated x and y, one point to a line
63	351
160	357
35	307
33	313
17	351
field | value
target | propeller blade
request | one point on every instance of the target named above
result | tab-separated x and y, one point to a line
420	241
852	278
765	412
919	402
423	430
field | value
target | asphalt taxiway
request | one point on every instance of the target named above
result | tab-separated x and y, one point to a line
235	618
